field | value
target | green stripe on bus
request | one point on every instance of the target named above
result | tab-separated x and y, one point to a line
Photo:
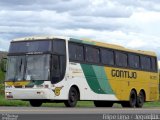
97	79
75	40
108	86
89	42
102	79
91	78
82	41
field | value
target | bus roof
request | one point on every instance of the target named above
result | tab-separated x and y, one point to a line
86	41
121	48
39	38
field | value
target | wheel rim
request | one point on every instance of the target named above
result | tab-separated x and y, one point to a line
73	97
141	98
133	99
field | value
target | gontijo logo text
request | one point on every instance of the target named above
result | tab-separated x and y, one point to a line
123	74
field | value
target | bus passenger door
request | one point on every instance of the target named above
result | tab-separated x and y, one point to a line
58	66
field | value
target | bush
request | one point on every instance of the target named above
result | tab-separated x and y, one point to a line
2	78
1	89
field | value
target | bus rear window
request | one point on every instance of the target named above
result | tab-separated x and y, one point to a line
145	63
30	46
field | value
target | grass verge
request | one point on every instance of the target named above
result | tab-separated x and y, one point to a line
18	103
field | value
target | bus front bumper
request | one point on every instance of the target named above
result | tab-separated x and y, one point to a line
28	94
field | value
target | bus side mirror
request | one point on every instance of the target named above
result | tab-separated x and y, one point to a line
3	64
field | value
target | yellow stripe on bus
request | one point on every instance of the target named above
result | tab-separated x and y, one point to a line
21	83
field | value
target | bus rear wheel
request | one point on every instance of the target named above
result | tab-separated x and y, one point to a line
140	100
35	103
132	100
72	98
103	103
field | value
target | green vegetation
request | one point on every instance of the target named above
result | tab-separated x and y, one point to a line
2	76
152	104
4	102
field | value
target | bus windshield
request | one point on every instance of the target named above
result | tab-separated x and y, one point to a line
29	67
30	46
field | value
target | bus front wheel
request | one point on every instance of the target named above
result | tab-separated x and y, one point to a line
72	98
35	103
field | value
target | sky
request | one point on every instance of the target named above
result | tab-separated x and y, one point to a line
133	24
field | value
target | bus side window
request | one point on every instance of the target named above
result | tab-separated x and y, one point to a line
92	54
107	57
145	63
121	59
134	61
76	52
55	72
154	64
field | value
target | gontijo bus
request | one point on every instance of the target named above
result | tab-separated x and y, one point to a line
63	69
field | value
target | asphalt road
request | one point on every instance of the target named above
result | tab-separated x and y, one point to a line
64	110
62	113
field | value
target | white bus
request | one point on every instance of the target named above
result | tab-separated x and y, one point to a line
63	69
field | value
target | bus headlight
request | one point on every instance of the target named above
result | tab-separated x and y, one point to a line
9	95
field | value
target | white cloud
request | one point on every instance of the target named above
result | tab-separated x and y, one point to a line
4	44
147	22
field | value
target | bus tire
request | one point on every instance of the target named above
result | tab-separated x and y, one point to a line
35	103
132	100
140	99
103	103
72	98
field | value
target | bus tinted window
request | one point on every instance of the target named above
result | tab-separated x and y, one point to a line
145	63
134	61
154	64
59	46
121	59
92	54
76	52
30	46
107	57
